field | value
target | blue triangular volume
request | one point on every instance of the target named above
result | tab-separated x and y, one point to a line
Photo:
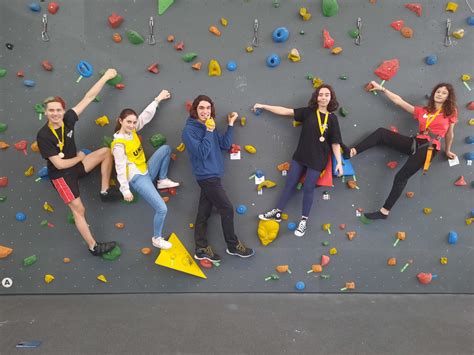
346	166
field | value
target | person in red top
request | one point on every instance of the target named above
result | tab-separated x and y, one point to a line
435	122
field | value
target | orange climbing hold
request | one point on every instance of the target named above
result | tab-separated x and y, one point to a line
146	251
316	268
3	145
410	194
351	234
116	37
5	251
66	260
170	38
197	66
215	31
406	32
120	225
283	268
392	261
283	166
34	147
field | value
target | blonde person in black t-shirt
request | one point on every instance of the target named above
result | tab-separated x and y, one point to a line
320	134
66	165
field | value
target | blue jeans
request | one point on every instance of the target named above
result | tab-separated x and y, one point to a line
143	184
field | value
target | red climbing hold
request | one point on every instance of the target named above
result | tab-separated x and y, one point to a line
460	181
425	277
115	20
342	226
470	105
397	25
3	181
21	146
388	69
234	148
325	260
47	65
154	68
188	104
53	7
392	164
328	41
179	46
20	73
120	86
415	7
394	129
206	263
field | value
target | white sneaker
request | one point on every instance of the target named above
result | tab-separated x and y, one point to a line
301	230
166	184
161	243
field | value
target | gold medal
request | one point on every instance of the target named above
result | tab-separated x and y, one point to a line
60	141
321	139
61	155
322	126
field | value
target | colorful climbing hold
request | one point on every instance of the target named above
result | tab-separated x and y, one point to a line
326	227
116	37
328	41
47	207
452	237
115	20
189	57
48	278
241	209
35	7
197	66
330	8
283	268
30	260
425	278
353	33
154	68
157	140
112	255
46	64
20	217
120	225
410	194
4	145
351	234
102	121
333	251
163	5
427	211
267	183
215	31
146	251
29	83
231	65
85	70
5	251
407	32
336	50
224	21
280	34
273	60
305	15
30	171
315	268
101	277
392	262
66	260
460	181
267	231
179	46
443	260
470	20
292	226
250	149
397	25
53	7
181	147
134	37
214	69
392	164
170	38
451	6
415	7
432	59
458	34
300	285
343	111
325	260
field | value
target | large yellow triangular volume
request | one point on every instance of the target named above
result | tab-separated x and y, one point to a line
178	258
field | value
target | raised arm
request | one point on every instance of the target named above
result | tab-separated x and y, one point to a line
225	141
278	110
396	99
149	112
94	91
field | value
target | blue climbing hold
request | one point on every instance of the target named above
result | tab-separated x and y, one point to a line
86	151
231	65
300	286
35	7
20	216
432	59
29	83
452	237
258	111
280	34
259	173
469	156
470	139
43	172
472	214
241	209
292	226
84	69
273	60
470	20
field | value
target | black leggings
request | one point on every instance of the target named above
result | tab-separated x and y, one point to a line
402	144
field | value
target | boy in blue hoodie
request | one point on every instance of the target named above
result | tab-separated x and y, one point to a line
204	144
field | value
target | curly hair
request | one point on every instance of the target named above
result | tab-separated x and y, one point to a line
193	111
449	106
333	104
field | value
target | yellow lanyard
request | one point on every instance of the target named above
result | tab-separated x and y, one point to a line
431	118
322	127
60	142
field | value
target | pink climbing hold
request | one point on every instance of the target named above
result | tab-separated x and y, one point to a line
415	7
325	260
154	68
460	181
179	46
470	105
397	25
328	41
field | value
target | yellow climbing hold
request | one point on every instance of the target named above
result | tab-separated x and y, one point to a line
267	231
102	278
250	149
451	6
102	121
471	122
294	55
224	22
210	123
317	82
243	121
336	50
465	77
178	258
267	183
427	211
296	123
249	49
458	34
181	147
214	69
305	14
30	171
284	216
48	278
443	260
48	207
333	251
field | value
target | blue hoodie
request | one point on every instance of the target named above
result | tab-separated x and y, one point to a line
204	148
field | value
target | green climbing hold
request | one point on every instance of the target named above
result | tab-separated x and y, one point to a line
364	219
343	77
114	81
107	141
325	243
157	140
112	255
325	276
97	99
310	77
189	57
163	6
343	111
301	32
70	218
3	198
330	8
134	37
3	127
30	260
354	33
3	72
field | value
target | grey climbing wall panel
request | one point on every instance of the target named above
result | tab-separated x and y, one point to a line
79	31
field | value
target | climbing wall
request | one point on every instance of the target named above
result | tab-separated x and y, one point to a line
79	30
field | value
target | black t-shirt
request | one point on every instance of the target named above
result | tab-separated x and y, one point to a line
310	151
48	143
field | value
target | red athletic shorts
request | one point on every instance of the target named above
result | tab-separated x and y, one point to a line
68	185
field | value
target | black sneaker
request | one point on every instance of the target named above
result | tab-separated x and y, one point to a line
301	230
240	250
112	194
102	248
208	254
271	215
